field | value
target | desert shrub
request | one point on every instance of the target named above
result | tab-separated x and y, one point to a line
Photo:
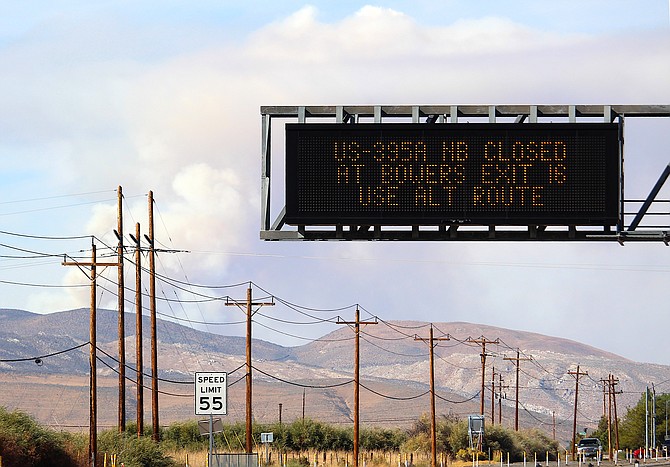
183	435
133	451
468	454
24	443
534	441
379	439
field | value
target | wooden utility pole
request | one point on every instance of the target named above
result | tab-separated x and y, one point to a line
553	424
609	415
155	432
501	387
605	383
616	417
482	341
122	316
516	411
611	383
138	332
433	428
93	342
607	410
493	395
357	352
248	306
576	374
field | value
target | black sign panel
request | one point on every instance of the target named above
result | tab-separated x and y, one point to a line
452	173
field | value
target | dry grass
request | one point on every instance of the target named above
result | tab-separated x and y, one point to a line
331	459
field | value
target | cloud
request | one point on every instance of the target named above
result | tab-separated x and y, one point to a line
132	106
375	33
213	205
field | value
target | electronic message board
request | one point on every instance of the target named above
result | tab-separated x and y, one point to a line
452	173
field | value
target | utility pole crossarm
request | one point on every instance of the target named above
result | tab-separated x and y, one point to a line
434	339
244	304
355	323
88	263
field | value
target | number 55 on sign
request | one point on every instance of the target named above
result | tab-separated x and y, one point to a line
211	393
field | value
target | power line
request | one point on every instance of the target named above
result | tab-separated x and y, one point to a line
302	385
395	398
42	357
44	237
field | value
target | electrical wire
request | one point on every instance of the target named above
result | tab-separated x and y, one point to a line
311	386
42	286
128	378
148	375
42	357
459	402
395	398
43	237
394	353
284	321
320	339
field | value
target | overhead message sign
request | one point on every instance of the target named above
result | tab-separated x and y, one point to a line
211	393
455	173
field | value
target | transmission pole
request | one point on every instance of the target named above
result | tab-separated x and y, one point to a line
249	304
611	382
139	354
93	380
493	395
553	420
155	433
609	415
501	396
576	374
433	428
616	417
653	416
605	384
516	412
646	422
482	341
122	316
357	356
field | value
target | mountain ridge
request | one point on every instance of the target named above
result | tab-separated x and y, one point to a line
394	366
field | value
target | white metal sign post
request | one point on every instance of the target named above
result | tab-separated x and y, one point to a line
267	438
211	391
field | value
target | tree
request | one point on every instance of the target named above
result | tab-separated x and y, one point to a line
632	427
602	435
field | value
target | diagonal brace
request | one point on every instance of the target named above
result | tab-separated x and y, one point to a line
650	199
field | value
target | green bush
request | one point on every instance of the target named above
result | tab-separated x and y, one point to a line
183	435
133	451
23	443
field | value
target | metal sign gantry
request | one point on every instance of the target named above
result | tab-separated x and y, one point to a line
632	212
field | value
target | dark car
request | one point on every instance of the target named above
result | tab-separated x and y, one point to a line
590	448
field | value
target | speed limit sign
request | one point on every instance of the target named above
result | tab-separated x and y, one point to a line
211	393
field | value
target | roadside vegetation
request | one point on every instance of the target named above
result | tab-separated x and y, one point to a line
25	443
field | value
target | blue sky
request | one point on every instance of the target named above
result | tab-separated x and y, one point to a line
165	96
